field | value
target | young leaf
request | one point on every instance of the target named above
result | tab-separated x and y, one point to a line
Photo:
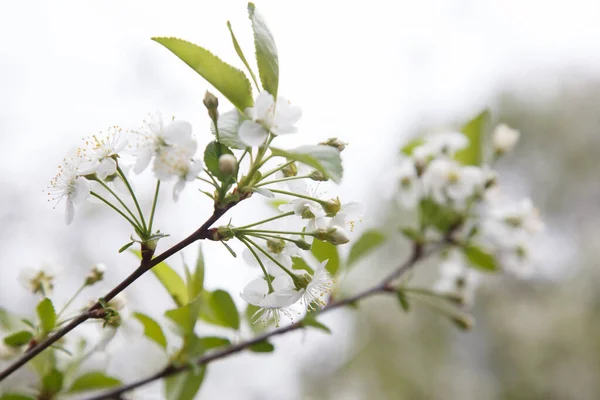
266	52
326	251
480	259
324	159
185	317
368	242
240	53
298	263
474	130
310	320
438	216
212	342
198	274
230	81
403	300
18	339
410	146
152	329
93	381
184	386
126	246
218	308
213	151
262	347
412	234
46	315
52	383
170	280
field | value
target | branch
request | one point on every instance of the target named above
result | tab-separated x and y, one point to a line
146	264
385	286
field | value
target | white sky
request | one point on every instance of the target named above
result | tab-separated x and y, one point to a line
368	72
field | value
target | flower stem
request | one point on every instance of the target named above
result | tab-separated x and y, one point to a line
287	214
251	231
108	203
153	207
278	168
77	293
264	270
137	205
302	196
266	253
206	180
290	178
121	202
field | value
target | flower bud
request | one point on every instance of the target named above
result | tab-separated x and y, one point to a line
95	275
335	143
505	138
211	102
228	164
303	244
332	207
290	170
334	235
318	176
275	246
463	321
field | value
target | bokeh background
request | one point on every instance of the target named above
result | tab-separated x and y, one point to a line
374	74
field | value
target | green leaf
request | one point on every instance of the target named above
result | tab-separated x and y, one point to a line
52	383
368	242
240	53
311	320
5	319
15	396
249	314
326	251
126	246
152	329
93	381
474	130
266	52
324	159
229	126
18	339
170	281
218	308
198	277
185	317
47	315
403	300
438	216
480	259
412	145
299	264
184	386
228	80
412	234
213	151
262	347
212	342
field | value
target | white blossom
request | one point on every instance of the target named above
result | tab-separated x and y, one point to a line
447	143
457	279
281	250
267	115
407	184
275	304
447	180
319	286
505	138
102	150
39	280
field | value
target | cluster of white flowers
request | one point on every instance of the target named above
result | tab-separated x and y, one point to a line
100	160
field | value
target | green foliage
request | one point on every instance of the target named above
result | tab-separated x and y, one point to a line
324	159
18	339
369	241
412	145
266	52
412	234
239	52
52	383
229	125
212	342
403	300
170	280
46	315
213	151
185	317
152	329
310	320
480	259
93	381
218	308
228	80
299	264
15	396
326	251
195	282
184	386
437	216
474	130
262	347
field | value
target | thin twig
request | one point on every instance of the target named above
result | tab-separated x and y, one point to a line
383	287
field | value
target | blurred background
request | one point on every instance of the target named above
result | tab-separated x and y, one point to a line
373	74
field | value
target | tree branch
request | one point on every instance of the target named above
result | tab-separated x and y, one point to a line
145	265
385	286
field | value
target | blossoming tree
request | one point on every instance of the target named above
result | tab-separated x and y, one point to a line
446	179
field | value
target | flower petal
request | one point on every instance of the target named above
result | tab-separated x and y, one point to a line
69	212
263	106
81	191
178	132
252	134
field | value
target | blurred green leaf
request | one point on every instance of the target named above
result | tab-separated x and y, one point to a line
15	396
184	386
52	383
185	317
249	314
310	320
413	144
152	329
474	130
262	347
324	159
480	259
18	339
266	52
299	264
211	159
5	319
369	241
93	381
438	216
218	308
212	342
170	280
403	300
47	315
411	233
230	81
239	52
326	251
